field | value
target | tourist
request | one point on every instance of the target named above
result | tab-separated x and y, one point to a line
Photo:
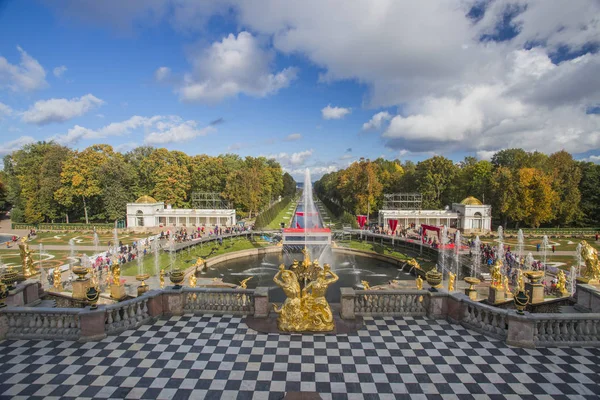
537	246
553	248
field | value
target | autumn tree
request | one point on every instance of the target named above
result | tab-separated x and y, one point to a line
536	196
566	176
435	176
170	176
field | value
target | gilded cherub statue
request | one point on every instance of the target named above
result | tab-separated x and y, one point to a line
496	275
414	263
161	278
520	281
26	258
291	316
561	285
506	287
419	282
244	283
57	277
116	272
366	285
592	266
451	280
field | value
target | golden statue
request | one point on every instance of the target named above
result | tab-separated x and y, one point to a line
414	263
291	316
496	275
306	261
592	266
451	279
94	281
57	278
561	285
318	313
193	279
419	282
26	258
366	285
244	283
116	272
506	287
520	281
109	278
161	278
199	262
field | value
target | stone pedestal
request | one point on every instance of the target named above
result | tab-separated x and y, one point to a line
437	304
80	287
535	291
261	302
117	292
472	293
496	295
92	325
520	330
347	299
172	302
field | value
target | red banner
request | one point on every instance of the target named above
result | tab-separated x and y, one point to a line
297	225
362	220
393	224
302	213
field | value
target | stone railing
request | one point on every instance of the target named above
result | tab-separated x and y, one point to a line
566	329
227	301
485	319
126	315
41	323
389	302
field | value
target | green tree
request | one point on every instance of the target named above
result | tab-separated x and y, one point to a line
511	158
505	204
566	176
289	185
536	196
143	182
435	176
117	178
170	176
589	187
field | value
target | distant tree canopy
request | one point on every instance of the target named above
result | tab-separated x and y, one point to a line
47	182
524	188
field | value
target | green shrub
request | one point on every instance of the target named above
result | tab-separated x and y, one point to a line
265	217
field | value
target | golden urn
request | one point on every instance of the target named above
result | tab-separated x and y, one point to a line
80	271
177	278
9	278
92	295
521	299
434	279
143	288
3	294
534	276
472	281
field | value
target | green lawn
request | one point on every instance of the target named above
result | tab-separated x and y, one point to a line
284	215
336	224
185	258
50	259
377	248
83	239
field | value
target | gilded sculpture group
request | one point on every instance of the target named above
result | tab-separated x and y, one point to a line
305	309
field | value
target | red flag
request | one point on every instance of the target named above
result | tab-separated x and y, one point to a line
362	220
297	225
393	224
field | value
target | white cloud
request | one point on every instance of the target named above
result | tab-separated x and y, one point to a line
162	73
173	133
335	112
486	154
44	112
235	65
122	128
294	136
293	159
59	71
235	146
27	76
14	145
377	120
347	156
5	110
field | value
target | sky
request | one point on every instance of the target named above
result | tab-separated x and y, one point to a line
314	84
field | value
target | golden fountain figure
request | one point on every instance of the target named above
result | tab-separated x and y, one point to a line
116	272
496	275
26	258
305	309
451	280
161	278
244	283
419	282
414	263
366	285
506	287
592	265
561	285
193	279
520	281
57	278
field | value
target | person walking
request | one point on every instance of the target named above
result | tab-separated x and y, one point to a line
553	249
538	247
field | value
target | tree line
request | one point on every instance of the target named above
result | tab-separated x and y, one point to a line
525	189
48	182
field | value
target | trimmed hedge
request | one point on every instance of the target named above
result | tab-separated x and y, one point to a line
64	227
265	217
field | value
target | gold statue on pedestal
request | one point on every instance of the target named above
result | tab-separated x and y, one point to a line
57	278
419	282
496	275
26	258
506	287
451	280
366	285
520	281
561	285
116	272
161	278
305	309
592	265
193	279
414	263
244	283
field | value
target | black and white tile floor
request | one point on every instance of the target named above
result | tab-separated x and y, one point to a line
219	357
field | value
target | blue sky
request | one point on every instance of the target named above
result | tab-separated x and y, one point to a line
310	84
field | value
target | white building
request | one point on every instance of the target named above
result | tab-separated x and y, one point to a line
147	212
470	216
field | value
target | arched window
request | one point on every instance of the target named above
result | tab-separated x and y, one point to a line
477	222
140	218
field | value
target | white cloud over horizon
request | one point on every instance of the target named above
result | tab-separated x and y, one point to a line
329	112
377	121
29	75
293	137
162	74
59	71
5	110
44	112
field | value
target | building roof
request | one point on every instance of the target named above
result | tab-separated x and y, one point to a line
146	200
471	201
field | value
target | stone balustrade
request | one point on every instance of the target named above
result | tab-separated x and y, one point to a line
389	302
565	329
486	319
226	301
41	323
126	315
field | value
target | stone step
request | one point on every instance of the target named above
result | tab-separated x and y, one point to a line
47	304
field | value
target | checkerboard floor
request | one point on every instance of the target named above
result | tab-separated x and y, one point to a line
212	357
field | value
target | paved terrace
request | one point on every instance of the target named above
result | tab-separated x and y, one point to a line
219	357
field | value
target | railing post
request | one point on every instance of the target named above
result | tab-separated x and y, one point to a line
155	304
261	302
172	301
92	324
3	326
437	304
456	307
347	299
520	330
